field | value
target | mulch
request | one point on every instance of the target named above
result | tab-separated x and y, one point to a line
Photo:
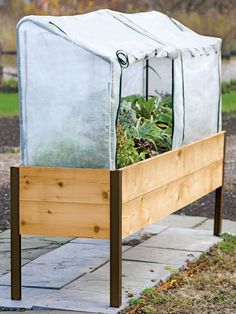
9	138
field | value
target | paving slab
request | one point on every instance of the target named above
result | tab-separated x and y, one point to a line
95	302
5	262
183	239
5	234
182	221
35	239
144	234
29	243
29	297
29	253
32	247
91	241
139	236
160	255
227	225
62	265
136	276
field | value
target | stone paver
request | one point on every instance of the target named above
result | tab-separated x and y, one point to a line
5	262
75	276
183	239
32	248
182	221
62	265
144	234
227	225
85	301
159	255
136	276
29	296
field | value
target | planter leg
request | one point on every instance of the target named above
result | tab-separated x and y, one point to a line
115	239
219	200
15	237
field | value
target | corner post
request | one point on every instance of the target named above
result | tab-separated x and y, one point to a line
15	236
115	238
219	201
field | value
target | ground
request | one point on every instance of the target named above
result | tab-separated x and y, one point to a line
205	286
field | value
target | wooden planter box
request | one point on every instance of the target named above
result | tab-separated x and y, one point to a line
104	204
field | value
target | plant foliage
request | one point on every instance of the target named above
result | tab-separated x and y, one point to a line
144	128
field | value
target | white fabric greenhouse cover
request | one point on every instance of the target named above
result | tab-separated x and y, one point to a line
70	82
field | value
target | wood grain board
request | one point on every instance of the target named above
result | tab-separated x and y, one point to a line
65	219
74	185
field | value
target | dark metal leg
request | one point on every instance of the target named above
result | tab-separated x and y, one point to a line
219	200
115	238
15	237
219	204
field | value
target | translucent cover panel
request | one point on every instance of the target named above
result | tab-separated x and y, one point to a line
202	89
133	79
160	76
65	103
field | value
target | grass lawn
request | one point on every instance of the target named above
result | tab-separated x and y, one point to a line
205	286
229	103
9	103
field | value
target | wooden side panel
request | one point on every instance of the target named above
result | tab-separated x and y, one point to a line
64	219
155	205
65	202
73	185
151	174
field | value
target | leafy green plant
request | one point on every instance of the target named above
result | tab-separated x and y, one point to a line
145	108
144	128
127	154
127	115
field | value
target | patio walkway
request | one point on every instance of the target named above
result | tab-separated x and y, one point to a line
73	274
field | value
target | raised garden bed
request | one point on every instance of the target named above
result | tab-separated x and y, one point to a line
96	162
112	204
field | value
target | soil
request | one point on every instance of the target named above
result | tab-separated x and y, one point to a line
9	155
